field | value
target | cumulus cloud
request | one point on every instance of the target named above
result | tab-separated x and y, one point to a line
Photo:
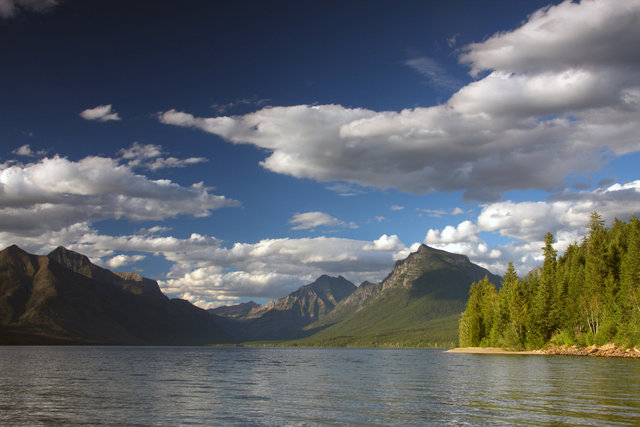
566	36
209	274
558	95
122	260
565	215
385	243
102	113
9	8
311	220
55	192
465	231
272	268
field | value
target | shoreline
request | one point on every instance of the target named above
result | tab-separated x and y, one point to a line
607	350
493	350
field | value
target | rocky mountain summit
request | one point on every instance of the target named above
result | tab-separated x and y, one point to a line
286	317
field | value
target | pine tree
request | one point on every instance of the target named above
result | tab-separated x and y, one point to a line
477	319
542	310
592	302
591	294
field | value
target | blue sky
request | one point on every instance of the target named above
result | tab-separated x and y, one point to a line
234	151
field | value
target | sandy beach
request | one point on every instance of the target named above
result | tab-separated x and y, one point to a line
491	350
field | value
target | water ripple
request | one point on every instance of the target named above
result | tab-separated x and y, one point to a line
276	386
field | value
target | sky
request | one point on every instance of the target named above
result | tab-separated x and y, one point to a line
235	151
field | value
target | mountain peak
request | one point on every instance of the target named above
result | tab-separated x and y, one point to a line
69	258
15	250
432	263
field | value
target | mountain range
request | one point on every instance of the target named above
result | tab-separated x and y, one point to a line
64	298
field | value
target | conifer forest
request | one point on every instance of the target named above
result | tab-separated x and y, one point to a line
590	295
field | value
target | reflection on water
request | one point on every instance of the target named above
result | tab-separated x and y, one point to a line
293	386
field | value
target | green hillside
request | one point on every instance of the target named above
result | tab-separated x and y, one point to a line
417	305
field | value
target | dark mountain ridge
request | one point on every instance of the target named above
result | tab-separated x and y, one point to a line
64	298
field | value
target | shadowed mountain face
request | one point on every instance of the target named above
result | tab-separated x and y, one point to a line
64	298
286	317
242	311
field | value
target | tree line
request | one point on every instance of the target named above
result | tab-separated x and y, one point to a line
589	295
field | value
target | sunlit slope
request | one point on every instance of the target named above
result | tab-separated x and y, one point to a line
419	303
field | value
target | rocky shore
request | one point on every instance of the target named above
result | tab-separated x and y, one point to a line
607	350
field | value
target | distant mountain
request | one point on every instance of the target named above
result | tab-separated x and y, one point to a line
64	298
286	317
243	311
418	302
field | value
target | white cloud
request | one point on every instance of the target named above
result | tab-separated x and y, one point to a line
149	156
405	252
565	215
102	113
385	243
311	220
139	151
212	274
8	8
55	192
274	267
121	260
457	211
560	95
465	232
397	208
566	36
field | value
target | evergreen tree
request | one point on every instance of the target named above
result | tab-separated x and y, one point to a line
591	294
542	322
592	301
512	326
477	318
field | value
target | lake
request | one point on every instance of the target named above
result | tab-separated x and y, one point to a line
310	386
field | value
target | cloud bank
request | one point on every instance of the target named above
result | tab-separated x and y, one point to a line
565	215
560	94
55	192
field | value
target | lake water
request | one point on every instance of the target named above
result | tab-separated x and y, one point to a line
300	386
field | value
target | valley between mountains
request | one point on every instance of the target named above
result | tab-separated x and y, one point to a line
63	298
